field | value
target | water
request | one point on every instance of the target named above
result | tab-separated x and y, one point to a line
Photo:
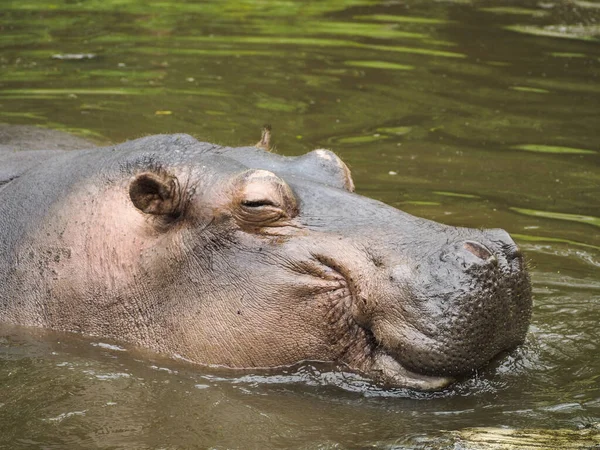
480	114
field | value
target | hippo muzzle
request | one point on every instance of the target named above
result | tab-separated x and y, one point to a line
435	302
454	309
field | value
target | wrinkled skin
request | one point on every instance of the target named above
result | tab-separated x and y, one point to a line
242	258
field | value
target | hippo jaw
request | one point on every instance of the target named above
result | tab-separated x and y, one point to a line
389	371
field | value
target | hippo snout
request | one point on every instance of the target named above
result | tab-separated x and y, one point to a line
451	312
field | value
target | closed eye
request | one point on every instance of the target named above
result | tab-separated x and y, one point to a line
257	203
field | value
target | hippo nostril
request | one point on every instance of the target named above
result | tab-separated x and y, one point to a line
503	240
478	250
512	251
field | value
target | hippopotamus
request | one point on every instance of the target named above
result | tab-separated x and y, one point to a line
243	258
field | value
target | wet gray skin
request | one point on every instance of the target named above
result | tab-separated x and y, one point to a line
242	258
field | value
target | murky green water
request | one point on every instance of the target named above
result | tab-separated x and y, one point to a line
481	114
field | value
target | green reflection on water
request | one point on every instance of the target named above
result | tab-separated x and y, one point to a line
223	8
586	4
529	89
60	92
394	130
278	40
455	194
352	29
22	115
567	55
401	19
580	32
360	139
414	50
590	220
553	149
280	104
202	52
532	238
515	11
379	65
420	203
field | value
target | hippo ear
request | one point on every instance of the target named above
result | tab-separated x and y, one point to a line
265	139
155	193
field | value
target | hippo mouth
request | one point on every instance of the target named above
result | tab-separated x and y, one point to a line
389	371
387	368
430	358
370	356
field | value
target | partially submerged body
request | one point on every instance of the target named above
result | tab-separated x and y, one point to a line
242	258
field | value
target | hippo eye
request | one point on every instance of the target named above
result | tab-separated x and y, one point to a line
258	203
263	199
260	216
263	211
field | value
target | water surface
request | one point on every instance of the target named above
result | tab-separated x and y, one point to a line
479	114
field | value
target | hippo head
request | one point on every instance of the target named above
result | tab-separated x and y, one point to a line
242	258
262	260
